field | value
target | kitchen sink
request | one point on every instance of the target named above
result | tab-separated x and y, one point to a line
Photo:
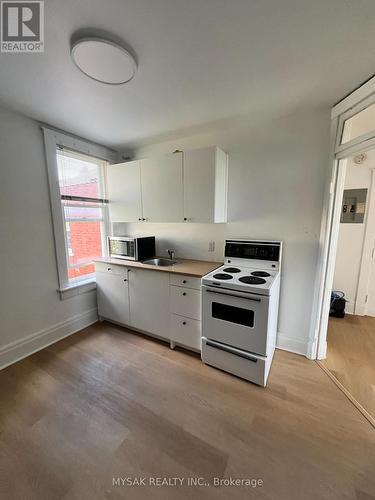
159	262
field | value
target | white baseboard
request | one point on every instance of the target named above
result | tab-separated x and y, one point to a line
349	307
291	344
359	310
26	346
322	350
312	348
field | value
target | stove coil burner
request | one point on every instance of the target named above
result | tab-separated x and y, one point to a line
252	280
232	270
263	274
222	276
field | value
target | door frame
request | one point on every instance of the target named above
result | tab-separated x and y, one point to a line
361	305
358	100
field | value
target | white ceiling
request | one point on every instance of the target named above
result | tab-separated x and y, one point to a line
199	61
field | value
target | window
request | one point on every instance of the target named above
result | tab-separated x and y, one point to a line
362	123
76	175
83	204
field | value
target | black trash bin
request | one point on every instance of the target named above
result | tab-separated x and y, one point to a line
338	302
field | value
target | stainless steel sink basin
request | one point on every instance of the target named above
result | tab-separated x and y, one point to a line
159	262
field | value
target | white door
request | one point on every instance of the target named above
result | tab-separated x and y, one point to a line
371	287
149	301
113	296
162	194
205	185
124	192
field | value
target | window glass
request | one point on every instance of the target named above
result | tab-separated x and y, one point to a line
79	175
359	124
82	177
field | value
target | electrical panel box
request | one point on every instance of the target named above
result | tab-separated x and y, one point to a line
353	206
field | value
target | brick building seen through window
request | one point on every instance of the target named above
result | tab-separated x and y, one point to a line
81	177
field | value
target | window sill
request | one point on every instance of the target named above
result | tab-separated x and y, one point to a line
77	289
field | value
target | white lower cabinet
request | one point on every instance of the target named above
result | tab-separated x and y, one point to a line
158	303
186	302
149	301
113	295
185	310
185	281
186	331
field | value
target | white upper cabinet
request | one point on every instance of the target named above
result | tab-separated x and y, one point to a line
176	187
162	191
124	189
205	185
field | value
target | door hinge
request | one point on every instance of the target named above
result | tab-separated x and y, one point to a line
366	299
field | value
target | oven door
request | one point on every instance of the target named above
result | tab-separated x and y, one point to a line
235	318
121	248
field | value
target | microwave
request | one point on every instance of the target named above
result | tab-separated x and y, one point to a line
131	247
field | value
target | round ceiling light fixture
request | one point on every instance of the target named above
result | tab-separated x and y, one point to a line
103	61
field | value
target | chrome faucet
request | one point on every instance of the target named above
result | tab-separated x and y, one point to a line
171	254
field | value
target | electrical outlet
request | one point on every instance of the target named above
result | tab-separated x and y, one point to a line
211	246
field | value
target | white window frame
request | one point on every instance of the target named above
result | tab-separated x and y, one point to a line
52	140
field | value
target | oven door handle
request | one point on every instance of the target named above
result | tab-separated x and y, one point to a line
241	296
231	350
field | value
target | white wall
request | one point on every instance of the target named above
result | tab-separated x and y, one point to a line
31	312
351	236
277	170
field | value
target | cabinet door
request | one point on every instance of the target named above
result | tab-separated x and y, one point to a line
149	301
162	194
124	192
205	185
113	296
186	331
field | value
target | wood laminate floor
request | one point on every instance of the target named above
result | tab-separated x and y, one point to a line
107	403
351	356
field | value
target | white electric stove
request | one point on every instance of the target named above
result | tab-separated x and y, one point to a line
240	309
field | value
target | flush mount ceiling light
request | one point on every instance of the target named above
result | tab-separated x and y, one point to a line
103	61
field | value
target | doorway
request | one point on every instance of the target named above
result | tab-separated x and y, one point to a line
352	134
350	357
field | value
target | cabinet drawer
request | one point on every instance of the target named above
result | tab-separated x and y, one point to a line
186	302
185	281
186	331
103	267
254	369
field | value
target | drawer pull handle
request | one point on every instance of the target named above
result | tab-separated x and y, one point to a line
109	268
233	295
184	294
231	350
184	322
125	280
184	281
